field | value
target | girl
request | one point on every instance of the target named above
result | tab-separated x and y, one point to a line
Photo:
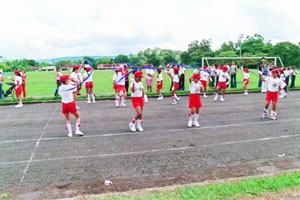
159	84
122	88
69	105
115	87
80	80
218	69
75	81
223	77
274	85
265	72
137	93
203	79
175	85
195	102
18	87
57	81
246	80
23	76
89	85
282	76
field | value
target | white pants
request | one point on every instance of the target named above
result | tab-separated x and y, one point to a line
264	86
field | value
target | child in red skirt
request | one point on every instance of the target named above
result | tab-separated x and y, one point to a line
115	87
89	85
18	87
159	84
69	105
246	80
223	80
175	82
137	98
195	101
204	75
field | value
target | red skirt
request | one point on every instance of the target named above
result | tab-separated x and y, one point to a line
246	81
89	85
159	85
137	101
175	86
204	83
222	85
69	108
195	101
272	96
121	88
18	89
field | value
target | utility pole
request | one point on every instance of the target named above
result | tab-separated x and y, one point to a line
240	36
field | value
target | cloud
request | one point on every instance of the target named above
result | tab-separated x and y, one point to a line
55	28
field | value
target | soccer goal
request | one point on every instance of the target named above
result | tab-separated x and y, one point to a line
205	60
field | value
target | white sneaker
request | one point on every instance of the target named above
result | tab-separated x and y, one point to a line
204	95
195	122
190	123
263	116
122	104
273	117
117	103
246	93
160	98
216	98
79	133
70	135
177	99
139	126
77	107
19	106
132	127
174	102
222	98
88	102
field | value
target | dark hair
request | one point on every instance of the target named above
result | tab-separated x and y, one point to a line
263	58
19	74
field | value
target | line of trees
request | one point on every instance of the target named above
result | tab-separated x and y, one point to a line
252	46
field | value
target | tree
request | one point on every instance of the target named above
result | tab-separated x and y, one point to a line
288	52
63	62
122	58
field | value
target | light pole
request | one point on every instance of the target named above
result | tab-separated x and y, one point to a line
240	39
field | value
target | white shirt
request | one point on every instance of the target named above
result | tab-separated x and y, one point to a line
122	82
1	78
203	75
175	78
171	71
286	73
223	76
138	89
195	87
274	83
86	74
74	77
217	71
246	75
65	93
18	79
115	77
151	72
160	77
212	70
181	70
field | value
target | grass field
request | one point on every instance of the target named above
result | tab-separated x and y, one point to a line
43	83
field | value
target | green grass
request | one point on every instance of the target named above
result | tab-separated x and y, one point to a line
233	189
4	196
42	84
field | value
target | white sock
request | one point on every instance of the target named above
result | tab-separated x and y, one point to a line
191	116
196	117
93	97
69	127
88	97
217	94
77	127
117	97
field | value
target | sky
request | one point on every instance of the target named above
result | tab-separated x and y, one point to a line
56	28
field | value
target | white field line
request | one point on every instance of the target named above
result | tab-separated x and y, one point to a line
36	146
153	151
158	131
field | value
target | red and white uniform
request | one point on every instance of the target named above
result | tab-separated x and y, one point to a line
159	81
115	79
137	96
283	77
89	82
195	101
273	85
175	79
223	77
246	78
121	84
68	104
18	85
75	77
203	78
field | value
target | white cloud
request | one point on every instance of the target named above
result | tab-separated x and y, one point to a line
55	28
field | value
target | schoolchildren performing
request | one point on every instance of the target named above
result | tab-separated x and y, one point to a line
69	105
195	102
159	84
175	85
223	77
137	98
274	85
204	75
246	80
18	87
89	85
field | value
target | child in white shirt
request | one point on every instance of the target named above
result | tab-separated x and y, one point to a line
194	100
246	80
223	80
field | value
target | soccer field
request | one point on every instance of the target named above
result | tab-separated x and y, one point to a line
43	83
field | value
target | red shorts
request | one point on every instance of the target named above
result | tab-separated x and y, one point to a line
69	108
204	83
115	87
246	81
137	101
222	85
121	88
175	86
89	85
272	96
18	90
159	85
195	101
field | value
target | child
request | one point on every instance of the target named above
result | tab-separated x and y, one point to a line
175	85
159	84
246	80
69	105
282	76
115	87
89	85
195	102
265	71
122	88
23	76
274	84
75	80
203	79
222	84
137	94
18	87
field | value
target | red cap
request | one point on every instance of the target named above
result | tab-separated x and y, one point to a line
88	68
224	68
159	70
205	67
196	76
274	71
64	77
117	69
281	70
139	74
17	71
175	69
76	67
245	69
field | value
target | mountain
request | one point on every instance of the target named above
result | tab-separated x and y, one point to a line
49	60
